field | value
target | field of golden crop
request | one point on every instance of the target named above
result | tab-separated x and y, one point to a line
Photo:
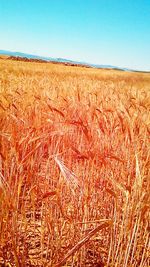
74	166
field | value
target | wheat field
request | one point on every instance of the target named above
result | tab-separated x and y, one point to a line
74	166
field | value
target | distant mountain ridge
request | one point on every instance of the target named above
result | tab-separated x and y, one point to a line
62	60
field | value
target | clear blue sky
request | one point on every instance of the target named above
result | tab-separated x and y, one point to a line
115	32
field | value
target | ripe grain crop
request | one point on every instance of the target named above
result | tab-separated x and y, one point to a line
74	166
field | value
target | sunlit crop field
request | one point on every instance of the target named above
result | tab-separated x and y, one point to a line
74	164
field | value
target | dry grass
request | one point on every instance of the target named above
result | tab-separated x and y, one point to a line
74	163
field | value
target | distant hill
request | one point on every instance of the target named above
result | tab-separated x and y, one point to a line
37	58
19	54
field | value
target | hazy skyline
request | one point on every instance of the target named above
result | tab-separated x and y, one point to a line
108	32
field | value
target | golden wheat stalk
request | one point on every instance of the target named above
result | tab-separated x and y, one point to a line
83	241
69	176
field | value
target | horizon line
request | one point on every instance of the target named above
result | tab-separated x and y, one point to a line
98	65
